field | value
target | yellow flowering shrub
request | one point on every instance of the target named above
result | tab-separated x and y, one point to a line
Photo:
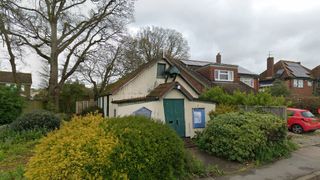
79	150
91	147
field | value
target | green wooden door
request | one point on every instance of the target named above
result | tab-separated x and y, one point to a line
174	115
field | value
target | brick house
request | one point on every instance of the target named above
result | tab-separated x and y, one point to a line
316	75
297	77
229	77
25	80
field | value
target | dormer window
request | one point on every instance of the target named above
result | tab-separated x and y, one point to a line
223	75
161	69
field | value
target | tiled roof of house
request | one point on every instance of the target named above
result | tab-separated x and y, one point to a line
242	70
7	77
230	87
287	69
164	88
316	72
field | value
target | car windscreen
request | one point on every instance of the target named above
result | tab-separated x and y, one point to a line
307	114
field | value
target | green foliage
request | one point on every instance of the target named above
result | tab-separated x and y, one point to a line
279	89
15	150
117	148
244	136
70	93
11	104
216	94
36	120
223	109
311	103
92	109
147	149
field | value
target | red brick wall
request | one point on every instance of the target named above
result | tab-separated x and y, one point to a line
305	91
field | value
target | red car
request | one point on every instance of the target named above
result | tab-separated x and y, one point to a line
301	120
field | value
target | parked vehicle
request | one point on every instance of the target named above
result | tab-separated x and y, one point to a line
301	120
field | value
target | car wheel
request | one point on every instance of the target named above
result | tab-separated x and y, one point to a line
297	129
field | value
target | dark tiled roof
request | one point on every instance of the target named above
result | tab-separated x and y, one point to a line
316	72
132	100
7	77
288	69
164	88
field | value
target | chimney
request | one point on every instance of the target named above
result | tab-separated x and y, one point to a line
218	58
270	68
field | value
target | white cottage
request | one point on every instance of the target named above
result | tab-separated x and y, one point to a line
164	90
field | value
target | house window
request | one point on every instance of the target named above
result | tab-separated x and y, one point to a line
22	88
309	83
161	68
298	83
223	75
198	116
248	81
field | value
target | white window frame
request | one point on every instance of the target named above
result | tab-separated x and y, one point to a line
298	83
310	83
218	73
247	81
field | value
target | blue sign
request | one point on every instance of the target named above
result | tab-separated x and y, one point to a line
198	117
143	112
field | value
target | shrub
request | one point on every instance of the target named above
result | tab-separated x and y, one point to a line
39	119
310	103
223	109
244	136
216	94
11	104
90	147
148	149
92	109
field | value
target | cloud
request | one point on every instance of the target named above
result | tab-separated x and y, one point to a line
244	31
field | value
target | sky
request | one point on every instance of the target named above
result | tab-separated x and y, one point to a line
243	31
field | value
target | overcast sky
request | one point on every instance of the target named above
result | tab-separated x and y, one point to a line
244	31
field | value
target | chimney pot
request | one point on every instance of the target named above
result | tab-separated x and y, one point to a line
218	58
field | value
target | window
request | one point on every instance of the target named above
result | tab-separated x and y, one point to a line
307	114
161	68
298	83
22	88
248	81
290	113
309	83
198	116
223	75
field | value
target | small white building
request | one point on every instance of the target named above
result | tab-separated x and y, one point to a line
164	90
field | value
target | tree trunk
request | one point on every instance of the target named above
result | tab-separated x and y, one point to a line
54	89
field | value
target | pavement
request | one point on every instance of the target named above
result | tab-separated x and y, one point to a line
303	164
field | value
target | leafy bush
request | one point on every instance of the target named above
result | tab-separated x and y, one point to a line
148	149
216	94
92	109
39	119
91	147
11	104
279	88
310	103
244	136
223	109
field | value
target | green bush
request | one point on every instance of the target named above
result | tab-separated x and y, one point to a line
311	103
92	109
90	147
244	136
11	104
36	120
216	94
223	109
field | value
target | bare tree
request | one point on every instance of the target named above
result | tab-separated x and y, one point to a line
151	42
63	32
101	67
10	43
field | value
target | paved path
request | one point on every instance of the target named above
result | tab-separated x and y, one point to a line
302	162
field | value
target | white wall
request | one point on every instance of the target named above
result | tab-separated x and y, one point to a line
158	110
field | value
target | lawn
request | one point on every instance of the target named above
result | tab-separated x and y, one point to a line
15	151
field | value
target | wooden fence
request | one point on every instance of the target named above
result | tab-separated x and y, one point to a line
82	105
280	111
